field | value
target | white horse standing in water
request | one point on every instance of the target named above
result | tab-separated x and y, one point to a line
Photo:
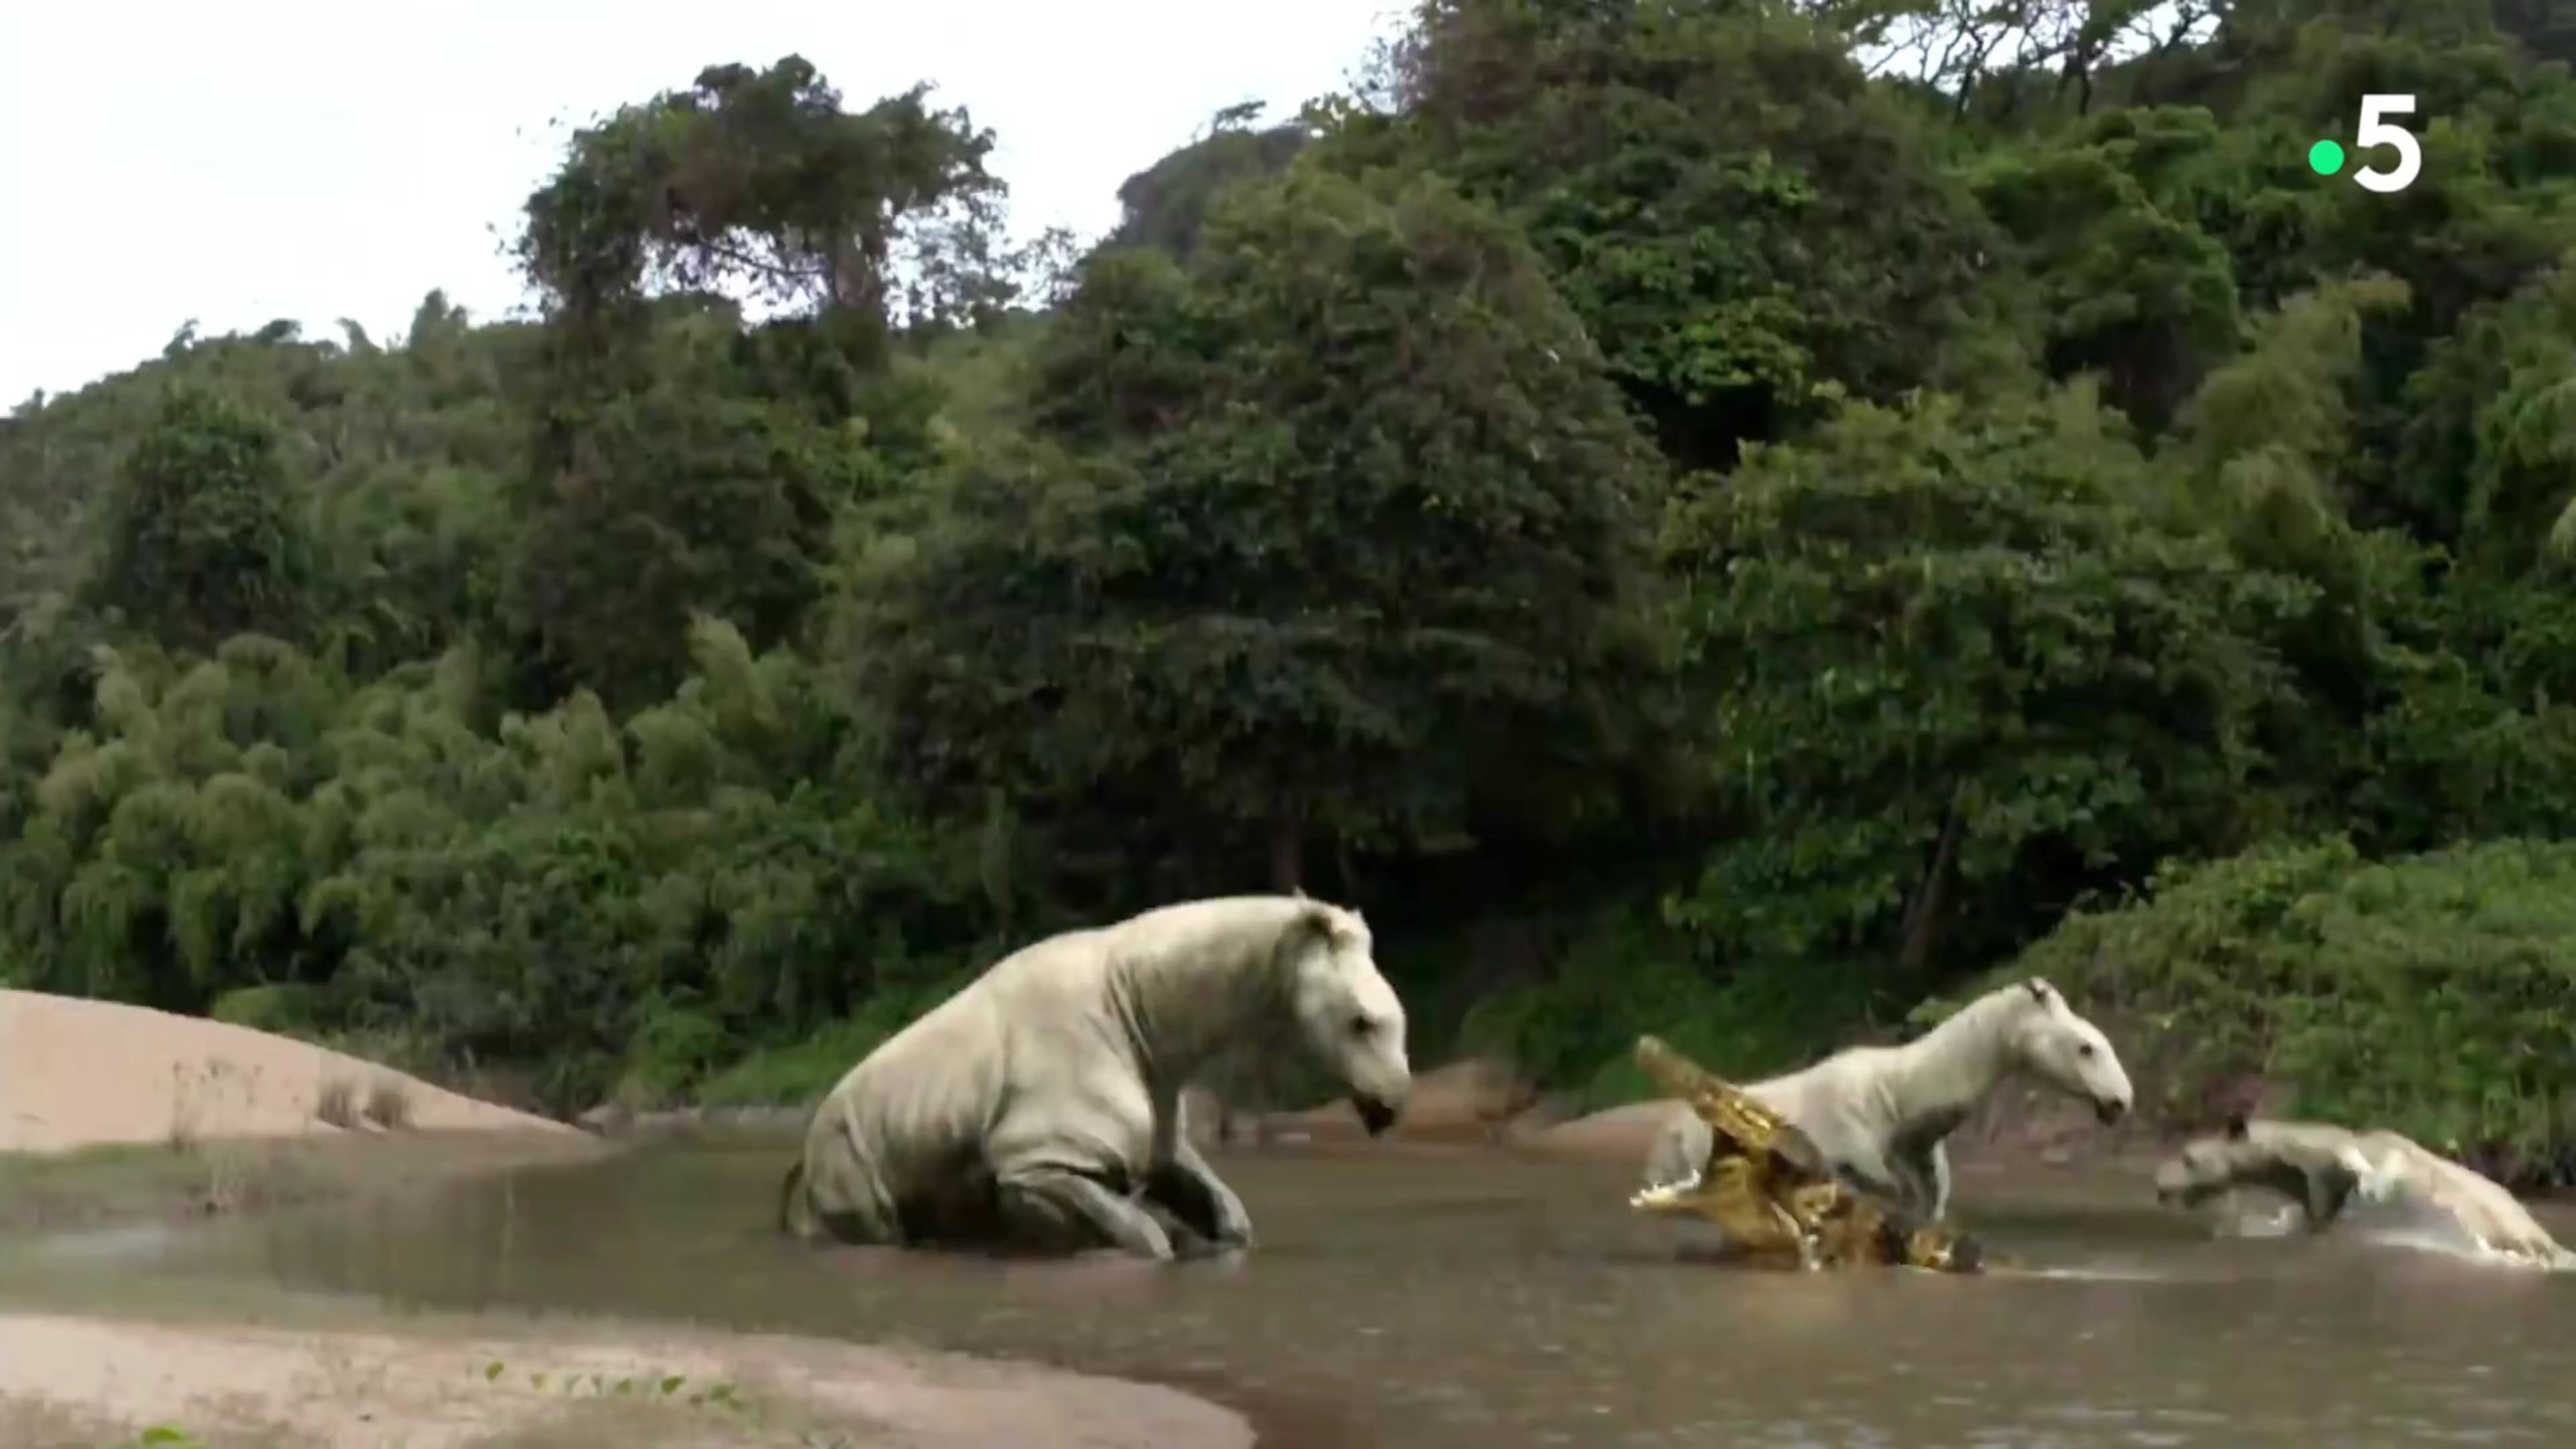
1881	1114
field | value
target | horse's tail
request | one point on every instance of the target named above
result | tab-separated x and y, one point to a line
788	1192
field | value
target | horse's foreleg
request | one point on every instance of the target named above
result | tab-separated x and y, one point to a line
1912	1170
1058	1208
1680	1152
1198	1197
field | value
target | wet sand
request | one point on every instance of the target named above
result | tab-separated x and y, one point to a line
118	1117
76	1073
87	1380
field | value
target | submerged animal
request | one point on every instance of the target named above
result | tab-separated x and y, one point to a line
1777	1198
1040	1106
1881	1114
2330	1171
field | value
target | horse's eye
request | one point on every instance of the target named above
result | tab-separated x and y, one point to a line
2085	1051
1362	1026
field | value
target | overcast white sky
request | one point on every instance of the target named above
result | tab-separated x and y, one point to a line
237	161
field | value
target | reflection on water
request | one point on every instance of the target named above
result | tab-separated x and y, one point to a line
1432	1300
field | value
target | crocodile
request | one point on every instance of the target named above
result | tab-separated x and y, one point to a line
1769	1187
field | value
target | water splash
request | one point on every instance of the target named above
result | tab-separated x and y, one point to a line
2086	1273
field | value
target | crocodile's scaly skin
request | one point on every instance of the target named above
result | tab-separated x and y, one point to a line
1773	1193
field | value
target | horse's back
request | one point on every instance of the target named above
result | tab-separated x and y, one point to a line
2490	1206
1832	1101
908	1110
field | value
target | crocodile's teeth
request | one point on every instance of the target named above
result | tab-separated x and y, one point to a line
1663	1192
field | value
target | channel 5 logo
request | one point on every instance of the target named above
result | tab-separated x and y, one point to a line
2326	157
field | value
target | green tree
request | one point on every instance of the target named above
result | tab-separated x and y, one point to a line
1332	537
680	464
1166	204
2124	287
1963	676
1746	225
205	540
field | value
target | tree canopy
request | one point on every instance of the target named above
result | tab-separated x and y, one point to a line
1731	518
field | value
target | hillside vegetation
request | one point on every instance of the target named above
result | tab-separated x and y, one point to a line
1691	529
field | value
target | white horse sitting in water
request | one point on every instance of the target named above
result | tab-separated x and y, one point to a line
1881	1114
1041	1104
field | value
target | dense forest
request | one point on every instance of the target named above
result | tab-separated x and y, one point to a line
1692	525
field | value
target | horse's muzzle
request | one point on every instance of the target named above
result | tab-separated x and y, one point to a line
2107	1110
1376	1114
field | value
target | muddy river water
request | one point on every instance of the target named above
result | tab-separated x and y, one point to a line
1428	1299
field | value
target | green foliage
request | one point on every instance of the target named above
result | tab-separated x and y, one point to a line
1795	533
367	860
1626	973
1960	668
679	463
2127	284
1165	205
2419	993
801	1071
681	491
1680	169
284	1007
757	177
1323	528
204	542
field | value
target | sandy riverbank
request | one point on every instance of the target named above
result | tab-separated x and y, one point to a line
111	1113
76	1074
79	1382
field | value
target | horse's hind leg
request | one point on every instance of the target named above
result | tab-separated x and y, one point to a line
1062	1210
1920	1179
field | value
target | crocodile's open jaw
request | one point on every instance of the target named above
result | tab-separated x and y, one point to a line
1663	1193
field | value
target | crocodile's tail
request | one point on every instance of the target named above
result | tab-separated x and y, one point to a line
1672	1073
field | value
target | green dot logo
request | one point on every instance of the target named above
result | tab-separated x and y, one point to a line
2325	158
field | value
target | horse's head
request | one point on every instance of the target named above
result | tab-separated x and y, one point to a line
1351	1017
2070	1053
2207	1166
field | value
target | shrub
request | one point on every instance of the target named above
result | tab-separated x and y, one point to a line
2430	994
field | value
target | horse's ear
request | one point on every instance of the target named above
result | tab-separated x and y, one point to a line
2236	1127
1313	917
2039	989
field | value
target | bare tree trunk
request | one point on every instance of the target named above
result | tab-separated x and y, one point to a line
1923	913
1287	855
